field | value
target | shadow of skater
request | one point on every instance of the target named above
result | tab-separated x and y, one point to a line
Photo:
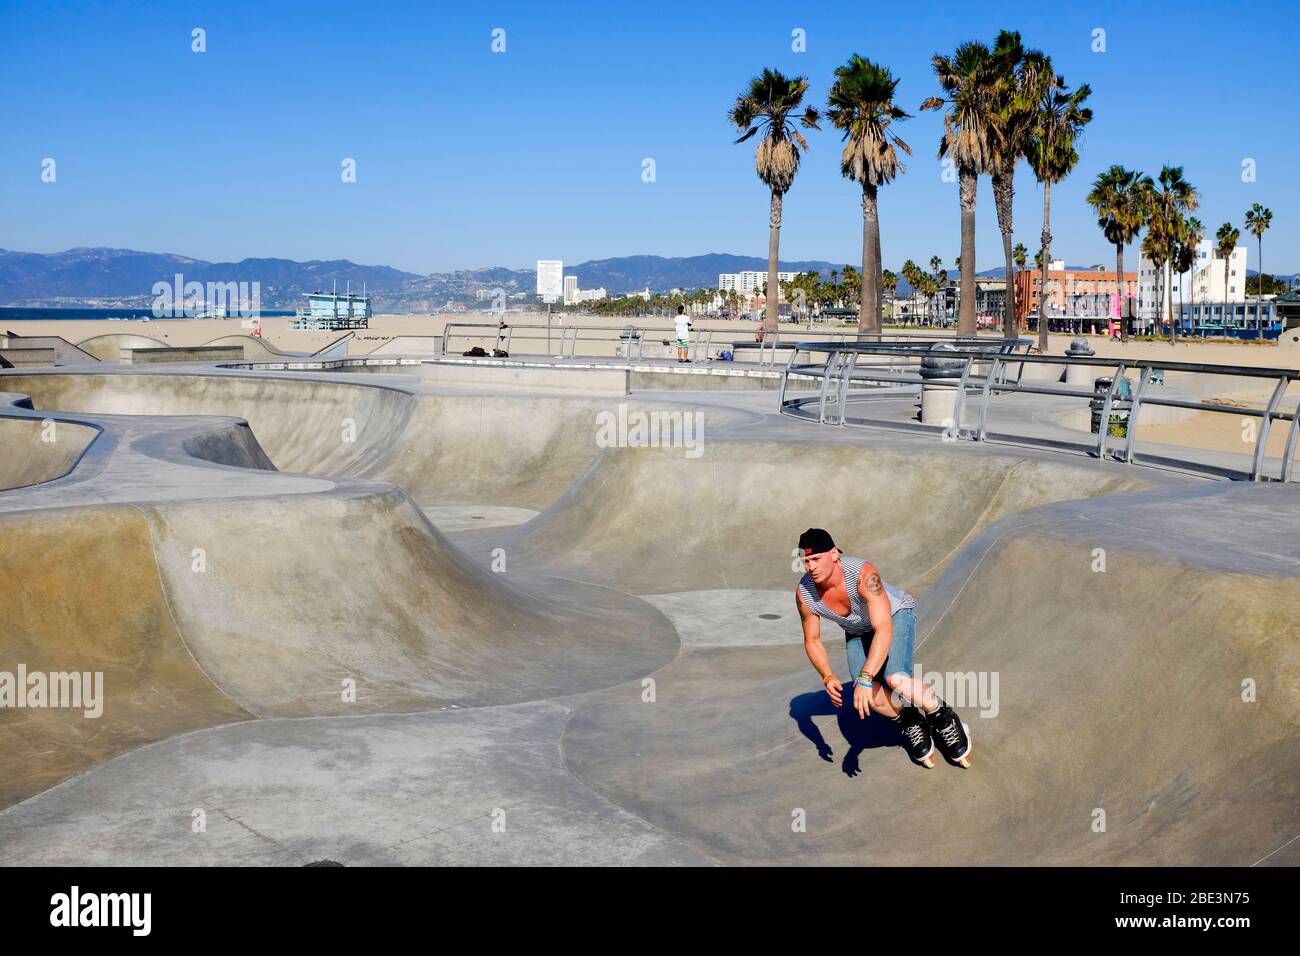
875	731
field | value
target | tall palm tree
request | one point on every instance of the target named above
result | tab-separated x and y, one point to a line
1058	125
969	80
1173	197
1193	233
1225	244
1155	251
1258	219
1188	255
1119	197
912	273
888	284
1019	255
765	107
861	104
1022	76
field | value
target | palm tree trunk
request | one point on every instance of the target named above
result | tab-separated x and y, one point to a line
1169	308
1259	287
1047	265
1003	196
967	182
880	285
773	252
1124	306
869	306
1173	326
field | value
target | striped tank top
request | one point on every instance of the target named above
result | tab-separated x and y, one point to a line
857	622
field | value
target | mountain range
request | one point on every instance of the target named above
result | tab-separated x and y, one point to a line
90	277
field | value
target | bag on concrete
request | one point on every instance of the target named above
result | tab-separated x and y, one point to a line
476	352
500	353
726	355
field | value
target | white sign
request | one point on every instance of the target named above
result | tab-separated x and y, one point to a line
550	278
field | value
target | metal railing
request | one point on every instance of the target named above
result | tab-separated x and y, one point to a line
568	340
841	366
566	337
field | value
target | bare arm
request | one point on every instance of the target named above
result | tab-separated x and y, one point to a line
812	637
872	590
816	650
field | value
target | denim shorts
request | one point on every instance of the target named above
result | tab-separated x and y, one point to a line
900	648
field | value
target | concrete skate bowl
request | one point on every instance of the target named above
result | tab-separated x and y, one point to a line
35	451
200	612
304	590
514	450
109	347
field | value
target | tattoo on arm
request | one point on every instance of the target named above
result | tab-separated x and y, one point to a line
873	584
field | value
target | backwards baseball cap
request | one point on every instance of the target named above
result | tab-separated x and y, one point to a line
815	541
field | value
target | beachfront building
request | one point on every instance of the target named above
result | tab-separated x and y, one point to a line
749	283
1074	293
332	312
575	296
1204	283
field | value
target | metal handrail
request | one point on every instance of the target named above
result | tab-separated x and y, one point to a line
569	336
999	355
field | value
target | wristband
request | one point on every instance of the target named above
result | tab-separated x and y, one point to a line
864	681
827	677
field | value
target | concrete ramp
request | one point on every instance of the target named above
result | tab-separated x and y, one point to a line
1116	732
116	346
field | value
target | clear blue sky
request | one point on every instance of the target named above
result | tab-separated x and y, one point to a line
467	158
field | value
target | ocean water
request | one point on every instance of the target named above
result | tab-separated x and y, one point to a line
16	314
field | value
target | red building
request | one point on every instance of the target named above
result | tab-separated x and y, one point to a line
1085	293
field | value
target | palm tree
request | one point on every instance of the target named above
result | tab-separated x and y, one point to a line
1258	219
1058	125
1019	255
765	107
969	80
1193	233
1022	77
888	284
1225	244
912	273
1187	255
1119	197
861	103
1172	197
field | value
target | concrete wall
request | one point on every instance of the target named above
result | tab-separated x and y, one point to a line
202	353
28	357
570	381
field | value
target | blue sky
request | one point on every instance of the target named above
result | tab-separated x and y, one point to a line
469	158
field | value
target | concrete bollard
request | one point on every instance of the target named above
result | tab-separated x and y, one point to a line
940	377
1079	375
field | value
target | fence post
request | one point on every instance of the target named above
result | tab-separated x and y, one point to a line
984	401
1133	413
1103	429
1261	440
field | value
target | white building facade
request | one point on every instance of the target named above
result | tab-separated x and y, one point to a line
749	283
575	296
1203	283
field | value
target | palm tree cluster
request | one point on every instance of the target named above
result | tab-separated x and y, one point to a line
1002	103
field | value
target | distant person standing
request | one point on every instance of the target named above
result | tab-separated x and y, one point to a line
683	323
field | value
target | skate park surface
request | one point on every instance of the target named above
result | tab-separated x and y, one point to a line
385	619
